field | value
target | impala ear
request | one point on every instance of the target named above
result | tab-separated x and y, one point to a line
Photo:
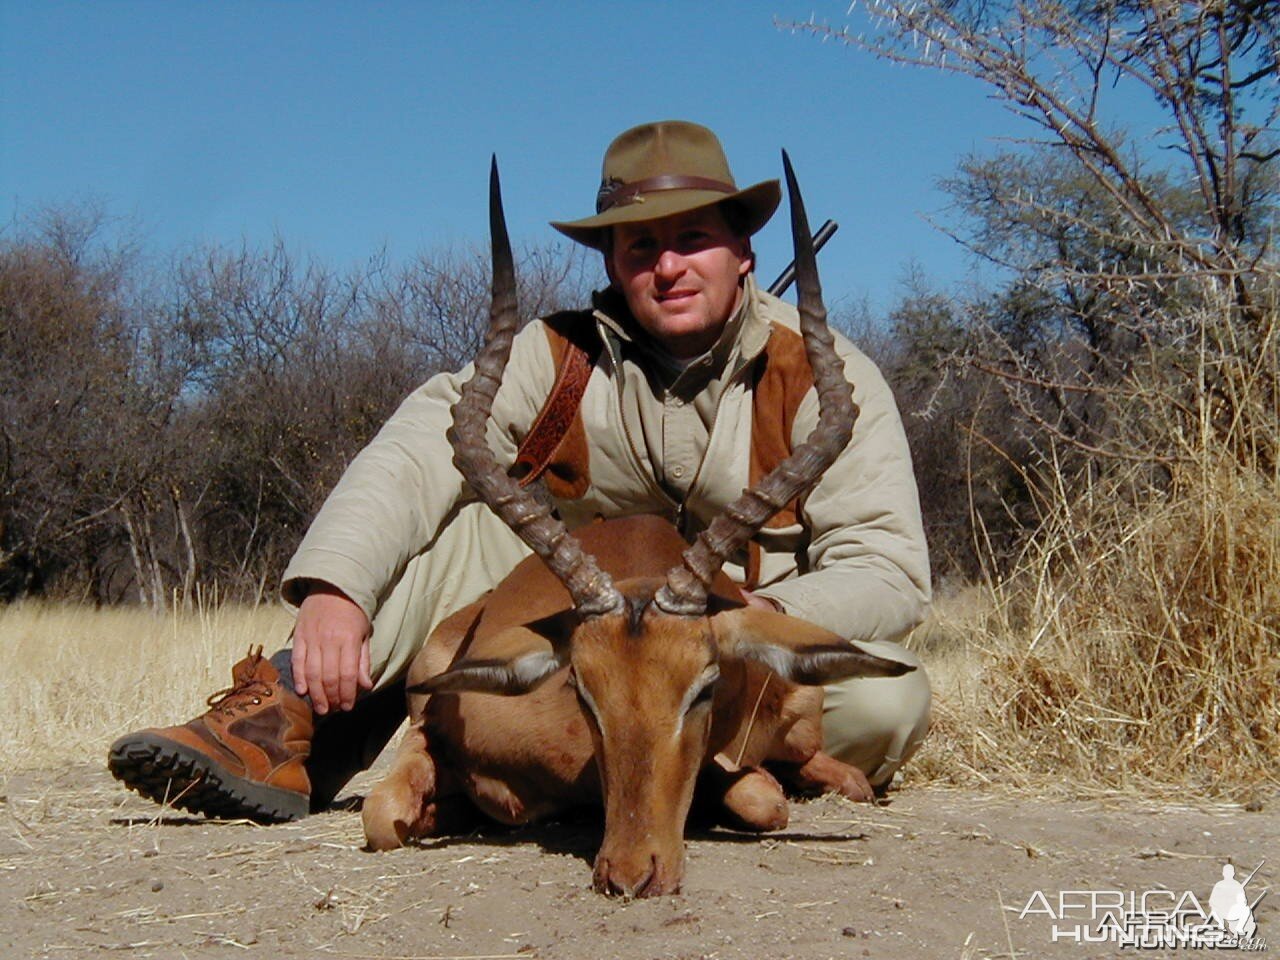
533	658
795	649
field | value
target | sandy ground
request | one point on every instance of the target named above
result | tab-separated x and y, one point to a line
86	867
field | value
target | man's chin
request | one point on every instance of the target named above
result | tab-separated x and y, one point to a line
682	332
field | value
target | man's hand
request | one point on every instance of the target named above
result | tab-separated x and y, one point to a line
763	603
330	649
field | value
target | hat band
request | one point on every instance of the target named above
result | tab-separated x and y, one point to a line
614	193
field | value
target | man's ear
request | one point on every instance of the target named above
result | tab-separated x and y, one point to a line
528	659
795	649
607	251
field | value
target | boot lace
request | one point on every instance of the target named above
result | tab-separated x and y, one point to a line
247	690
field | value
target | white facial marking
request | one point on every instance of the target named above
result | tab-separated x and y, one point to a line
533	668
585	696
705	680
778	659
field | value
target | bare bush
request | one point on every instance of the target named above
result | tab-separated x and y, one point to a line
1130	626
163	429
85	401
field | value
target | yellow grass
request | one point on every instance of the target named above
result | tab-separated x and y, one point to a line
1133	648
75	677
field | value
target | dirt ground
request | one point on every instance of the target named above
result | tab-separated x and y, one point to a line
86	867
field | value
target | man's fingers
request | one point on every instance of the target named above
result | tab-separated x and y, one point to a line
365	682
332	675
299	663
349	669
315	679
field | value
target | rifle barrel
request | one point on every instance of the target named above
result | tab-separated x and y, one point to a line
787	276
1250	876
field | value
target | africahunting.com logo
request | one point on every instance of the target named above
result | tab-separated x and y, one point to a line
1160	919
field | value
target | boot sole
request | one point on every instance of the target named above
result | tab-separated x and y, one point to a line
170	773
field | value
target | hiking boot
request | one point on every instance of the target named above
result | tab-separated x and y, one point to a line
244	758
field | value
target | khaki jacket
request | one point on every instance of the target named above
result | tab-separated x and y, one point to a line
651	438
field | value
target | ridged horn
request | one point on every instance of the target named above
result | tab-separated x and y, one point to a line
590	587
685	592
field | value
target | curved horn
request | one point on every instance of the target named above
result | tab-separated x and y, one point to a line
685	592
592	591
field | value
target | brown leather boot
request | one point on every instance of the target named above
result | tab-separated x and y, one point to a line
245	757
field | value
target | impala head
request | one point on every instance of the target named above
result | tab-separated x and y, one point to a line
645	654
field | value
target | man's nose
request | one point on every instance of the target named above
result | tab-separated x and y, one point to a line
670	265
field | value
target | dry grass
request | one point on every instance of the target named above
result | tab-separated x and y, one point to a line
1147	661
1135	647
1135	643
75	677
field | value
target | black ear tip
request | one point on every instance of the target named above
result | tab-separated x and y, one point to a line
875	665
887	667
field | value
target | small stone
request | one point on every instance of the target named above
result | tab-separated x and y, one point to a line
849	932
157	886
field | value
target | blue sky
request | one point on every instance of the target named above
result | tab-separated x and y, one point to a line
348	126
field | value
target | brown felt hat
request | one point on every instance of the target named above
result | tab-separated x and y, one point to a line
656	170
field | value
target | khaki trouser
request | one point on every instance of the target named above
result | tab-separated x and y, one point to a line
875	724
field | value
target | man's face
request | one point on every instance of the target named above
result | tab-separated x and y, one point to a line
681	276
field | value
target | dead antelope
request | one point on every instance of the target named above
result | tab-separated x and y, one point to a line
629	666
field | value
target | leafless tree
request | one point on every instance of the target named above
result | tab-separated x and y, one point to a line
1142	312
88	398
302	365
162	427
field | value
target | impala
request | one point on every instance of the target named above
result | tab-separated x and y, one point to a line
619	664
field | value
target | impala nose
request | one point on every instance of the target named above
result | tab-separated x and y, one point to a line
642	879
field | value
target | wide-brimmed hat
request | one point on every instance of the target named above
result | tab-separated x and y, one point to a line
656	170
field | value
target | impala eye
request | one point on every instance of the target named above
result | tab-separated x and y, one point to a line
707	692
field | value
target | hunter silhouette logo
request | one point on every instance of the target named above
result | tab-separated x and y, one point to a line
1229	905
